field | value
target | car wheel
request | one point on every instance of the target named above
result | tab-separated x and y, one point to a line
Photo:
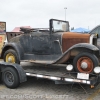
11	56
10	77
85	62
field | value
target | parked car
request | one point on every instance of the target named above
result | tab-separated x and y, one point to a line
55	46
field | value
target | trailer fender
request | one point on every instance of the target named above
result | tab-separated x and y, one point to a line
80	47
19	69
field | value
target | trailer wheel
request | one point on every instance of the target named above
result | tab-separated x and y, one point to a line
85	62
11	56
10	77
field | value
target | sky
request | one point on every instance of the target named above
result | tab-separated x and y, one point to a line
36	13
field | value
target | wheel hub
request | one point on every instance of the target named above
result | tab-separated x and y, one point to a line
9	77
84	65
10	58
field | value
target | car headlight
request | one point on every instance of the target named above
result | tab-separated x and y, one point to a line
97	70
69	67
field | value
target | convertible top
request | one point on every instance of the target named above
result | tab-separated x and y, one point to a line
28	30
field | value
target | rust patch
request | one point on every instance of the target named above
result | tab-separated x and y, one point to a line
10	35
69	39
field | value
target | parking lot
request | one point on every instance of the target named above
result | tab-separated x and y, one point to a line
42	89
46	90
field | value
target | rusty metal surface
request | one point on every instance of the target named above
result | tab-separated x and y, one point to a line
69	39
10	35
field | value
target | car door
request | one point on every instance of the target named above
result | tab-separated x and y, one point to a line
40	43
56	43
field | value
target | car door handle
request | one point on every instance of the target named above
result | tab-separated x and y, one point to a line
56	40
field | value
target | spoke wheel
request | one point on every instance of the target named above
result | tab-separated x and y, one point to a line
85	62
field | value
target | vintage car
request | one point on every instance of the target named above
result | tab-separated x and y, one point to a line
55	46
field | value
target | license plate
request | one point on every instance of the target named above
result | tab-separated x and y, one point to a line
83	76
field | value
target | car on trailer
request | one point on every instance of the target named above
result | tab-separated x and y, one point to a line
55	53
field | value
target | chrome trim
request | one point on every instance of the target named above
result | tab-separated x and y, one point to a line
77	81
58	78
84	65
97	70
43	76
91	38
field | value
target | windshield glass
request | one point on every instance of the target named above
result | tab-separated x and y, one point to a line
62	26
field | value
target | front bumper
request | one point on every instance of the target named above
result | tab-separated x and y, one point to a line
92	81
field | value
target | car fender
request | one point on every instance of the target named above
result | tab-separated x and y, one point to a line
14	46
17	67
80	47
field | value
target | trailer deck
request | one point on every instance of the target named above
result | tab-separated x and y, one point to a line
60	74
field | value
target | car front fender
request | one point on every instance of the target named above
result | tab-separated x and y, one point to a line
80	47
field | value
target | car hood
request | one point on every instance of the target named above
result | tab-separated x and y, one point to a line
69	39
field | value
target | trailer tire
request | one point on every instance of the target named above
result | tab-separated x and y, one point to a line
12	56
85	62
10	77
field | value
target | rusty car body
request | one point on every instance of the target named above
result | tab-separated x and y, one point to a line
55	46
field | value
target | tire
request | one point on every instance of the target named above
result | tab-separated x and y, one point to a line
10	77
85	62
12	55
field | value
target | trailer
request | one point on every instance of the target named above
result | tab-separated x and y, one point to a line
14	74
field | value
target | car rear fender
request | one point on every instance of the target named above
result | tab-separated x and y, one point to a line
15	47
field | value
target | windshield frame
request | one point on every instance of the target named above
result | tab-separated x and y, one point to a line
52	27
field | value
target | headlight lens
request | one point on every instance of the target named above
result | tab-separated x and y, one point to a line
69	67
97	70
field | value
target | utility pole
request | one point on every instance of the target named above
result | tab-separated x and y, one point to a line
65	12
